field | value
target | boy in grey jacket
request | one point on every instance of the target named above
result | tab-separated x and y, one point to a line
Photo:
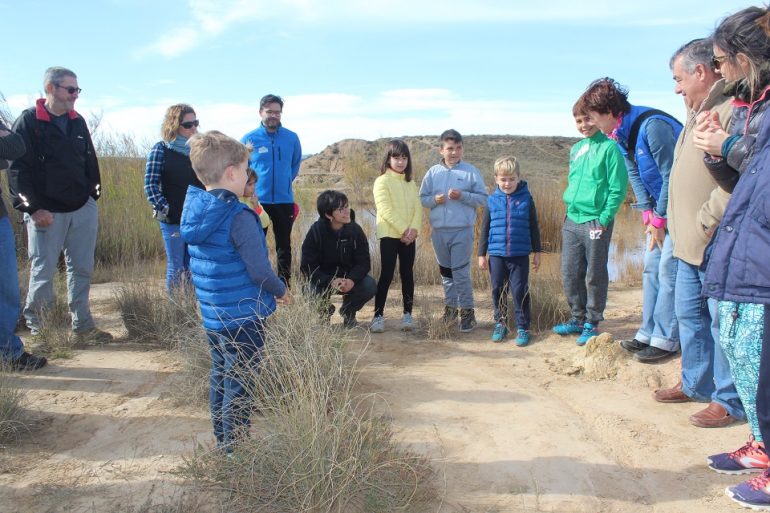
453	190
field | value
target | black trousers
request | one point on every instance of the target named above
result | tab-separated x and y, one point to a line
282	219
763	386
354	300
390	249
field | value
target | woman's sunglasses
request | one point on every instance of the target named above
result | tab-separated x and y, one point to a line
189	124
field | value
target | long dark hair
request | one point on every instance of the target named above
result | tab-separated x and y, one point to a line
748	32
398	148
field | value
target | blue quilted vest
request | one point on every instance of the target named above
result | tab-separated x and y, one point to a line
648	169
509	232
227	297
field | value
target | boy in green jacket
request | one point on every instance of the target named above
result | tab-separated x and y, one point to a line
596	188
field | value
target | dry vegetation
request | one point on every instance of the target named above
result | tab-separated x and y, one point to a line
316	445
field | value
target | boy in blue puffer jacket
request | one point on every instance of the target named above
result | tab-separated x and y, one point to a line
234	283
509	233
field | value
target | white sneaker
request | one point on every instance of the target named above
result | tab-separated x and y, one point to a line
378	324
407	324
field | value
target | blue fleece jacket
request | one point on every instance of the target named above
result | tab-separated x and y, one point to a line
276	158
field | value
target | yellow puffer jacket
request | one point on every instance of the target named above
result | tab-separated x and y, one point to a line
398	205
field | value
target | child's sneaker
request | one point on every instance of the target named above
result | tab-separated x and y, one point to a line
571	327
450	314
753	493
749	458
378	324
407	324
589	330
522	337
467	320
500	332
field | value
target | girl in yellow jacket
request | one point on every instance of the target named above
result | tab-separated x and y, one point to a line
399	217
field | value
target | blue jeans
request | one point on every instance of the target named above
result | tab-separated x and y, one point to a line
705	371
511	274
75	233
235	356
659	326
177	256
10	302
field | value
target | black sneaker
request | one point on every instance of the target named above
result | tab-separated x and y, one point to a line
28	361
450	314
467	320
633	346
652	354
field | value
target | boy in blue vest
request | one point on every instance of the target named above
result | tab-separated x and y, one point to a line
509	233
234	283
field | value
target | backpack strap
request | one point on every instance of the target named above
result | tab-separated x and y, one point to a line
633	135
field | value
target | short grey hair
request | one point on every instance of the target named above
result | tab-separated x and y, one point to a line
697	51
55	74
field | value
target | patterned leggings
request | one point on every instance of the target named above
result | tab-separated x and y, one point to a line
741	326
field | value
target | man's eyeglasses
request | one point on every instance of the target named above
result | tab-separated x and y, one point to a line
717	61
189	124
70	90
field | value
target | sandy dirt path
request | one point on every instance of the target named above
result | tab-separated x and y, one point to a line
510	429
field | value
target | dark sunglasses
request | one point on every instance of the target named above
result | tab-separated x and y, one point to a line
189	124
717	61
70	90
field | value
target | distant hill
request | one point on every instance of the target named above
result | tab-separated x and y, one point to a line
355	161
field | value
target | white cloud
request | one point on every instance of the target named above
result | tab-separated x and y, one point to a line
322	119
209	18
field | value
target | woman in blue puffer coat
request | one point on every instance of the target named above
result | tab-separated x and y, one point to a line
737	272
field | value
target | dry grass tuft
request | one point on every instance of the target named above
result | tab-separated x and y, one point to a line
13	420
316	446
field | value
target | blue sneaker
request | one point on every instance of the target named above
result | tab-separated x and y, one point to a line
589	330
500	332
522	337
571	327
754	493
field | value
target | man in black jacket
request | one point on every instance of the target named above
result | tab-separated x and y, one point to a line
335	257
12	351
56	184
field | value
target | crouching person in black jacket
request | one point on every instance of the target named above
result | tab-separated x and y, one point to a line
335	257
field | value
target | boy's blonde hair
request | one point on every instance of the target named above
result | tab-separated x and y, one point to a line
212	152
507	166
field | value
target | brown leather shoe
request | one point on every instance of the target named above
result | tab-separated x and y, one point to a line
713	416
671	395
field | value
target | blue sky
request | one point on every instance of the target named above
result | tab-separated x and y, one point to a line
349	68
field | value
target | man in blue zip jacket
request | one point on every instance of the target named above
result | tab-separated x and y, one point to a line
276	158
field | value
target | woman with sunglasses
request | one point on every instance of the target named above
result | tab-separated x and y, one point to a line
738	273
168	174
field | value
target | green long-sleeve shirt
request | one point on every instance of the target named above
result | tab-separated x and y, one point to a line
597	180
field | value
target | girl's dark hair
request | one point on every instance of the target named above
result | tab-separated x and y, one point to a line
748	32
329	201
398	148
606	96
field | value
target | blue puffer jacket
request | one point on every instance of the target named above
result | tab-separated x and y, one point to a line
228	298
276	158
509	232
738	269
649	173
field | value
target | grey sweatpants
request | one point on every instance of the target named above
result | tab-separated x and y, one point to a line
453	250
584	269
75	233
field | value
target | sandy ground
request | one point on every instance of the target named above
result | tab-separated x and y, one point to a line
510	429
